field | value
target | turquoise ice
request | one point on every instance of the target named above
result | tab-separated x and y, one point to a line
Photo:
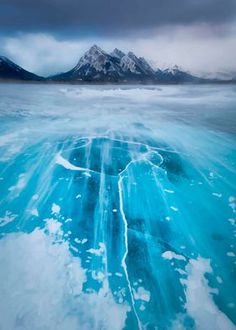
117	207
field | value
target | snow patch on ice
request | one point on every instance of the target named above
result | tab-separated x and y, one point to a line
199	301
98	252
53	226
169	255
7	218
34	212
51	279
55	208
142	294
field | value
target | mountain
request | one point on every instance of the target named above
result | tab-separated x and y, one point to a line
176	75
98	66
136	68
10	71
117	53
94	65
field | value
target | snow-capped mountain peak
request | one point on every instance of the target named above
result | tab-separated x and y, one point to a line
95	57
117	53
132	55
97	65
136	65
95	50
173	70
169	70
128	64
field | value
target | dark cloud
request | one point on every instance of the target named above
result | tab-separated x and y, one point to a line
110	16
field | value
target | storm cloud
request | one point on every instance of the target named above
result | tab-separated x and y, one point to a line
49	36
110	16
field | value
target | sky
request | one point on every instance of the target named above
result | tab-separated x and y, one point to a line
49	36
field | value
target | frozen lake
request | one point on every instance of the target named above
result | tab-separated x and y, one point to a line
117	207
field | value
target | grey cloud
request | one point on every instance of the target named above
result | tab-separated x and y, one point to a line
109	16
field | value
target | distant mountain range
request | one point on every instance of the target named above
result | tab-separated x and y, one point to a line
97	66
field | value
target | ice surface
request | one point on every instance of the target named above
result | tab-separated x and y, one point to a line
117	207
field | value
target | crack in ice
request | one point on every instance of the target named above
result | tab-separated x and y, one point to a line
123	262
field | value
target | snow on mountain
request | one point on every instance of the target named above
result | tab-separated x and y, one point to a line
117	53
176	75
173	70
97	65
128	65
96	58
94	65
146	65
